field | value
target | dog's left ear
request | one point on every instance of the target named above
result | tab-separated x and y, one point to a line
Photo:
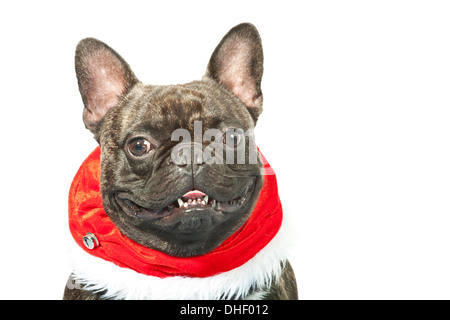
237	64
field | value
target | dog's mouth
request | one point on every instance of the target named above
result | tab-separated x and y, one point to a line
193	200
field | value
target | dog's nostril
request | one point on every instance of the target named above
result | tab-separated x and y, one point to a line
182	161
198	158
180	157
187	153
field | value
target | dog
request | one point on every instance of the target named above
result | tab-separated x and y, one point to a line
188	205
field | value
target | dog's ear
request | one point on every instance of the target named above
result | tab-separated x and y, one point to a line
103	77
237	64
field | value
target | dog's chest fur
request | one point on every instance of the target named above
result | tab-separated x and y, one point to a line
266	276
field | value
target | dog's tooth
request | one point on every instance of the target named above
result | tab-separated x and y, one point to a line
189	200
180	202
185	204
206	198
194	202
203	202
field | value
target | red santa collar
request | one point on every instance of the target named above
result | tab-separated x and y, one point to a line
91	227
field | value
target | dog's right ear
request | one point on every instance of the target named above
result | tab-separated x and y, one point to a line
103	77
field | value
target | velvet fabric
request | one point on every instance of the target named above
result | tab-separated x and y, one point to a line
87	215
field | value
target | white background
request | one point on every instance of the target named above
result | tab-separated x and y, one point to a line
356	124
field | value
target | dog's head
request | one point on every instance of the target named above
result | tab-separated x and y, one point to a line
179	169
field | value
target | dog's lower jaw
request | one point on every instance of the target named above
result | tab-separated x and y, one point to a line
184	204
185	232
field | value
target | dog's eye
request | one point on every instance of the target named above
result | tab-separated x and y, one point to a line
233	137
139	147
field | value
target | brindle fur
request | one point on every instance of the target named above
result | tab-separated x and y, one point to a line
285	288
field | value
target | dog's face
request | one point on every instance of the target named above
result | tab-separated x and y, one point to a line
176	161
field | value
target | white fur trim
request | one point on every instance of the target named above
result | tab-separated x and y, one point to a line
123	283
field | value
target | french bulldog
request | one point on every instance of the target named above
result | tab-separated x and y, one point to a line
166	200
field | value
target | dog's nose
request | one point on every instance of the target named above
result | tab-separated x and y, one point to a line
187	153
